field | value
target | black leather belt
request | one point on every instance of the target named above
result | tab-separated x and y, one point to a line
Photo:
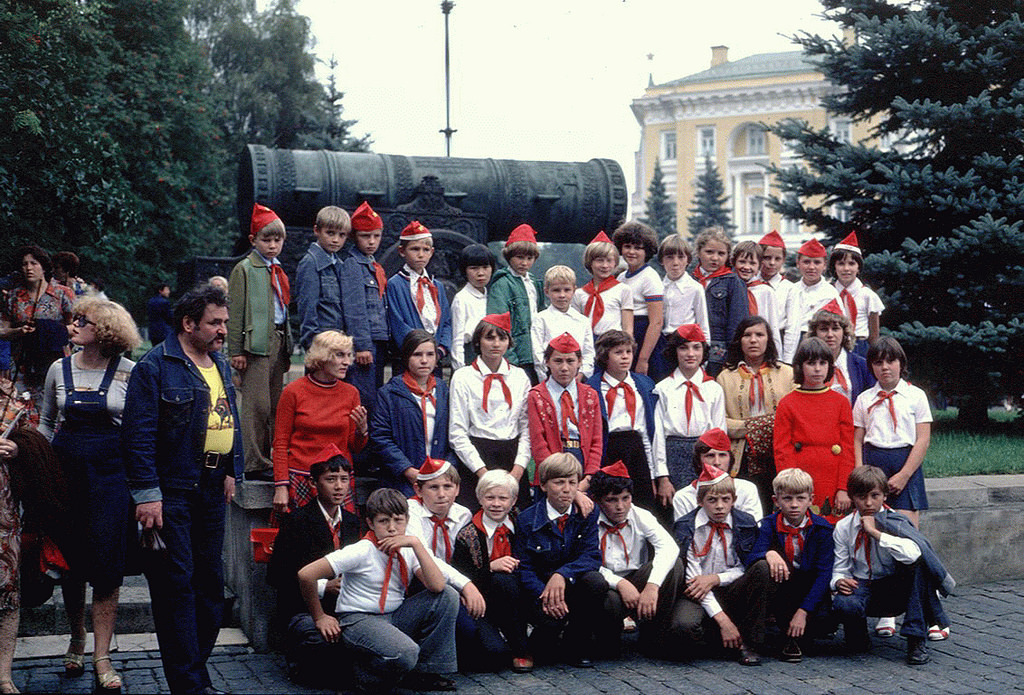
212	461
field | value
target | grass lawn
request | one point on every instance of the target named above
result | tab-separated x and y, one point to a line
954	451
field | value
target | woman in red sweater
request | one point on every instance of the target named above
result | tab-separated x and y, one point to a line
814	429
314	411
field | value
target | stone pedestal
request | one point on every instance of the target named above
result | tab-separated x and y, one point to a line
247	579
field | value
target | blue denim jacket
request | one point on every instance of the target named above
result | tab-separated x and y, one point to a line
163	428
318	295
364	307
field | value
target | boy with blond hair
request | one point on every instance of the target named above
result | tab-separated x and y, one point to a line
559	318
607	302
318	296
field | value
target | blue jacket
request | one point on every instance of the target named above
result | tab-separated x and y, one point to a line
403	316
744	533
364	308
727	306
817	556
542	550
318	297
396	431
645	389
892	522
163	428
861	377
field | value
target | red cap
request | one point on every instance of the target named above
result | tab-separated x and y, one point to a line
432	468
601	238
692	333
261	217
564	343
849	244
616	470
523	232
327	453
414	231
773	238
812	249
502	321
364	219
833	308
709	475
717	439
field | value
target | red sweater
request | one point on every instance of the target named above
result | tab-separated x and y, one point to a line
545	435
818	421
309	417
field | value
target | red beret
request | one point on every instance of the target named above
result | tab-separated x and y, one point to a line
601	238
364	219
812	249
564	343
716	439
523	232
691	332
616	470
709	475
773	238
414	231
432	468
502	321
849	244
833	308
261	217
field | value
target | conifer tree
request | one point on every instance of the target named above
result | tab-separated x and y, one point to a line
935	195
709	202
661	212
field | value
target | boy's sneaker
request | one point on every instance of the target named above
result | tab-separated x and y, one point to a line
917	651
937	633
791	652
886	627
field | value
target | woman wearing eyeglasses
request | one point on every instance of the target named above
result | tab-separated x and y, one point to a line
83	399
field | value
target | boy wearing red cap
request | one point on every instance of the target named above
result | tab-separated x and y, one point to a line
714	448
639	561
318	297
259	339
559	318
363	285
805	297
415	299
607	302
720	594
773	259
516	291
862	305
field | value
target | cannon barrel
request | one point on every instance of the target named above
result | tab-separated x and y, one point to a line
563	201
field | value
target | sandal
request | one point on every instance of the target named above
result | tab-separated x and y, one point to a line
8	687
109	681
74	662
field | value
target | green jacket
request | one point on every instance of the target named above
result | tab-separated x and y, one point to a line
507	293
252	308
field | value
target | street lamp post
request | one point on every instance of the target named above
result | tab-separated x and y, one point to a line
446	8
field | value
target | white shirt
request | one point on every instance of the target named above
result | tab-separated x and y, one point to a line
802	301
468	307
641	528
468	419
551	323
616	299
646	286
428	315
725	564
747	500
531	291
555	390
490	526
683	303
280	310
619	416
422	527
911	406
670	412
842	365
362	568
866	301
769	308
851	562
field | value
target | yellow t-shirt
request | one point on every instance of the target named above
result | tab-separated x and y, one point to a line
220	426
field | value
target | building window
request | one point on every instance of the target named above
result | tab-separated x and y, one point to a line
706	142
841	212
756	207
842	130
790	225
668	146
756	141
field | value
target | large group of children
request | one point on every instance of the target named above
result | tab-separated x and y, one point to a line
584	473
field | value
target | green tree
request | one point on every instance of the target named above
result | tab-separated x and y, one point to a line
661	211
709	202
940	206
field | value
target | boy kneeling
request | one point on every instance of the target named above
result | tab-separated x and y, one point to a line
717	539
797	546
883	567
374	617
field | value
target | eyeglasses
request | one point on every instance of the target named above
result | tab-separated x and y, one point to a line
80	321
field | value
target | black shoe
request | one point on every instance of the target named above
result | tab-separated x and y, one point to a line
582	662
791	653
426	682
917	651
748	657
210	690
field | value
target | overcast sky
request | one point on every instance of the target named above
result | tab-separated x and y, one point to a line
531	79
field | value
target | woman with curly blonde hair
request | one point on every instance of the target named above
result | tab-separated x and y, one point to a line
83	398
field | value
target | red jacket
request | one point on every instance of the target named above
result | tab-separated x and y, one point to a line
545	435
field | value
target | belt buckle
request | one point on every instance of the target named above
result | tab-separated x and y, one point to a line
208	457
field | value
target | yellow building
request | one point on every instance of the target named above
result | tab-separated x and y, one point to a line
723	111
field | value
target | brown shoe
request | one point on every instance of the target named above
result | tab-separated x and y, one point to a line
748	657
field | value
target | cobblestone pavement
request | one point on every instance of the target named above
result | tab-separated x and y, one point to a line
982	656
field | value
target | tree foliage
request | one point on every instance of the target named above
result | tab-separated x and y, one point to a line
661	212
940	207
710	207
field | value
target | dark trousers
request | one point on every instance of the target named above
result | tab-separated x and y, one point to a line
788	596
609	625
487	643
628	447
910	590
585	597
745	601
186	583
496	453
312	660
